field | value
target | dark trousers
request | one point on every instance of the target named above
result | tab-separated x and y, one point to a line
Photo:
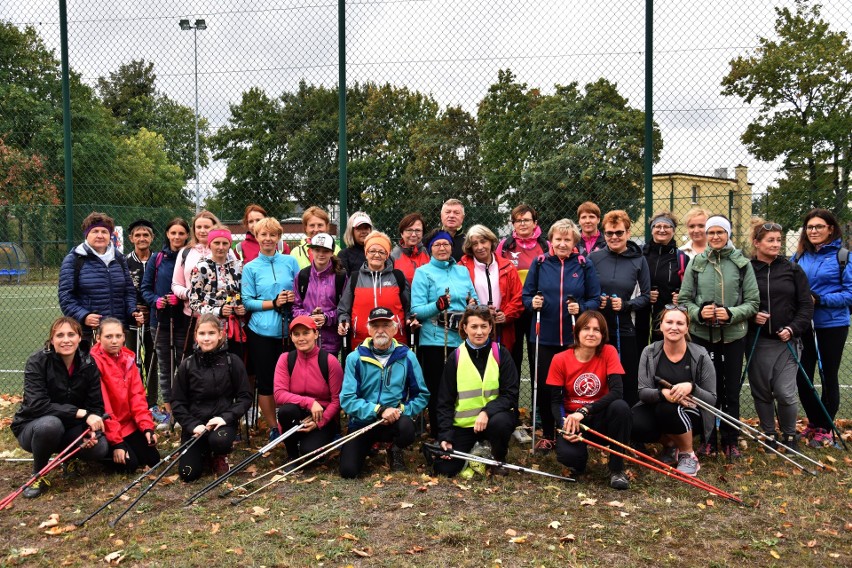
264	352
831	342
522	335
651	421
217	442
138	453
169	347
628	354
46	435
354	453
302	443
499	430
546	353
728	363
149	361
432	363
614	422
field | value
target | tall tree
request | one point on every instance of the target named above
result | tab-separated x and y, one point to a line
802	82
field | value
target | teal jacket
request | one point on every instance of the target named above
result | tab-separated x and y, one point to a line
431	281
263	279
725	277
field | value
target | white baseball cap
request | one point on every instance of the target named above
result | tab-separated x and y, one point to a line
323	240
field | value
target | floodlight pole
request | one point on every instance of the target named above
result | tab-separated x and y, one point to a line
199	25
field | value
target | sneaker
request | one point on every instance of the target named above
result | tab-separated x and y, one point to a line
821	438
37	488
544	445
520	436
707	450
396	459
688	464
619	481
669	456
732	453
159	416
273	434
809	431
770	440
71	468
482	450
790	441
220	465
498	470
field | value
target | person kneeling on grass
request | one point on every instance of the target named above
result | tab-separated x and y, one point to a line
664	414
478	393
382	380
589	390
210	393
62	397
129	428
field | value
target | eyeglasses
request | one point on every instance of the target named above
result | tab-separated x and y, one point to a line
377	253
812	228
663	228
413	232
442	245
680	308
523	221
610	234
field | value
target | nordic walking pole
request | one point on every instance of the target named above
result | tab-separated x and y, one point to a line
570	300
689	480
243	464
535	370
134	483
746	430
333	446
151	366
808	380
60	458
446	326
437	450
750	354
175	461
617	329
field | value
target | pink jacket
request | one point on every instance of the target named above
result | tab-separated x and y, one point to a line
308	385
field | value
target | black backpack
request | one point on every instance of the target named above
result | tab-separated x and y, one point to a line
322	360
305	278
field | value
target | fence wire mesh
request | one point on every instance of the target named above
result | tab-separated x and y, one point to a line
493	102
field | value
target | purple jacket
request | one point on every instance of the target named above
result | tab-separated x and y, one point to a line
321	293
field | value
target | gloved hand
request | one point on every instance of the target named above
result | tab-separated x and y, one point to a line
443	302
161	302
172	299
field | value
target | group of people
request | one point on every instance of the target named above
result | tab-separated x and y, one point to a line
436	325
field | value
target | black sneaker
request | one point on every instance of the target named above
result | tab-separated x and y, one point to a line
396	459
619	481
40	486
770	440
790	441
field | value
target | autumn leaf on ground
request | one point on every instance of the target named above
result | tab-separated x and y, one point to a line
258	511
567	538
53	531
271	532
406	505
308	480
365	552
252	469
588	501
555	524
349	536
215	528
51	521
114	557
511	532
615	504
169	479
414	550
518	539
775	554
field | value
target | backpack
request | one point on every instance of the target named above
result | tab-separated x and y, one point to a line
581	258
305	278
322	359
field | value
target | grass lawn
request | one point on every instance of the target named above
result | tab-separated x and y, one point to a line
413	519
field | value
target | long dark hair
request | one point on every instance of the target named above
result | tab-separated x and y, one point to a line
830	219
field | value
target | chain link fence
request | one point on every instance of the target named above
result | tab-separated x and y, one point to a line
492	102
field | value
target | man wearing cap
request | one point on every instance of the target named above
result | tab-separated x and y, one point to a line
382	380
141	235
357	229
452	218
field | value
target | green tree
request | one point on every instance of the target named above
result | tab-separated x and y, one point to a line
802	82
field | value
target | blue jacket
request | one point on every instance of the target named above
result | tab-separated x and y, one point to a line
823	272
102	289
558	279
430	281
157	282
368	386
263	279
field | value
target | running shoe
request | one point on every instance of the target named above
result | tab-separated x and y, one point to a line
619	481
732	453
544	445
273	434
707	450
40	486
521	437
688	464
821	438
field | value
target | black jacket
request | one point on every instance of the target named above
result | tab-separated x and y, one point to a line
208	385
620	274
50	391
785	294
352	258
448	390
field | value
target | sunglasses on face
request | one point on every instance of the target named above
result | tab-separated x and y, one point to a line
610	234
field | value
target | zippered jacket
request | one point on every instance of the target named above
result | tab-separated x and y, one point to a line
123	393
627	275
263	279
785	295
431	281
833	291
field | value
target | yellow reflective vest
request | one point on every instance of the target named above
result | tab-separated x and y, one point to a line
474	391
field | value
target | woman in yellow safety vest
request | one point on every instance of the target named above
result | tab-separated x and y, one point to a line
478	393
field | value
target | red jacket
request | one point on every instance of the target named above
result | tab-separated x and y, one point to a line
124	395
510	291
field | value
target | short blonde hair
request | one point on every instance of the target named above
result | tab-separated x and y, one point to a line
315	211
695	212
270	225
482	232
564	226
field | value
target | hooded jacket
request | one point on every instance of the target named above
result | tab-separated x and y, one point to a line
510	291
207	385
785	295
431	281
123	394
307	385
832	298
263	279
557	279
408	259
50	391
725	277
703	378
186	262
371	289
105	289
667	265
321	293
212	285
368	385
600	243
620	274
157	283
523	252
353	258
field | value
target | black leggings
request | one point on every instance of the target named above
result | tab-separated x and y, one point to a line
651	421
138	452
432	363
546	353
615	422
46	435
499	430
728	363
264	352
302	443
217	442
831	340
354	453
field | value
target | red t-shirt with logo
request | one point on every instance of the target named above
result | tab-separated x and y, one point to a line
584	383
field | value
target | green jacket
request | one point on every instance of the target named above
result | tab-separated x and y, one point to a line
725	277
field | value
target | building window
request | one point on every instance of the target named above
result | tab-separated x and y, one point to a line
694	196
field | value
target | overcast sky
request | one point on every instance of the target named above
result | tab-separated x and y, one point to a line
449	48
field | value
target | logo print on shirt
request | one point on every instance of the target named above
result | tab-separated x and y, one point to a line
587	385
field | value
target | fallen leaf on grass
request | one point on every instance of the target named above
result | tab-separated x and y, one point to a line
702	506
51	521
567	538
169	479
349	536
414	550
511	532
811	543
271	532
378	485
710	503
252	469
615	504
258	511
215	528
53	531
518	539
831	459
308	480
596	526
237	551
364	552
555	524
655	532
406	505
114	557
774	554
27	552
848	526
588	501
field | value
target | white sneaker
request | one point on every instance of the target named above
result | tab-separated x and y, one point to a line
521	437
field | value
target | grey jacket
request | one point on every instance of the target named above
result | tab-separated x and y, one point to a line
703	378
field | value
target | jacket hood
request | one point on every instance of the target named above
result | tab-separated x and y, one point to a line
632	251
209	358
443	264
660	249
410	251
168	253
